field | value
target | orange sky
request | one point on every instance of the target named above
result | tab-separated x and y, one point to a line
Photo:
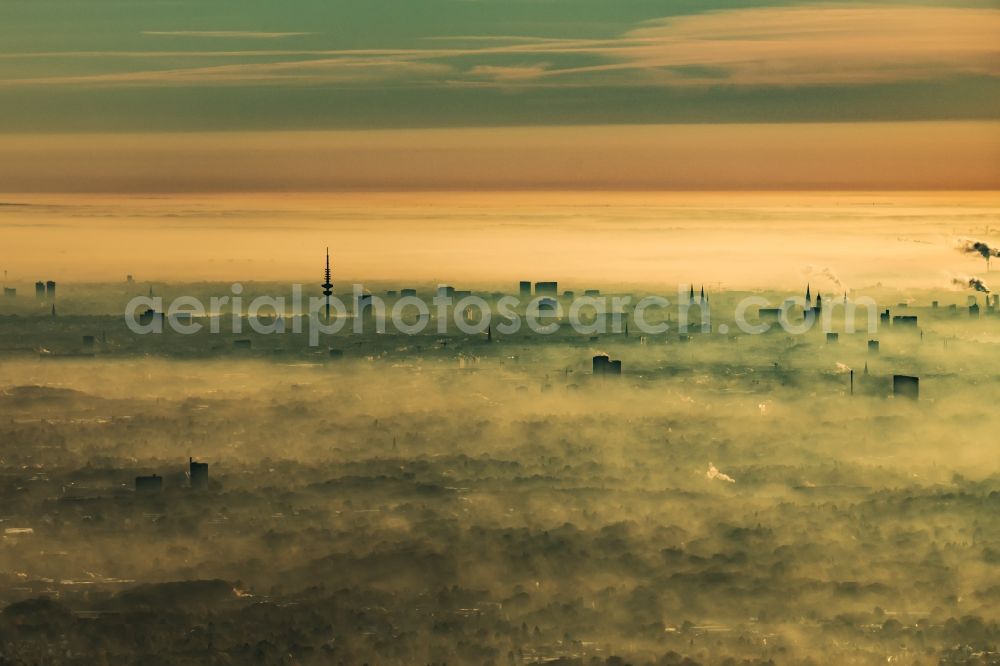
582	239
809	156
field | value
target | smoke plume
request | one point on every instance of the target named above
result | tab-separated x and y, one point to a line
981	248
971	283
825	272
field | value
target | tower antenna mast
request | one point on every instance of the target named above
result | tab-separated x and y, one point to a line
327	285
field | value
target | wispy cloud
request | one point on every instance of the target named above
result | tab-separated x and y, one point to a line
336	70
509	73
812	45
768	46
225	34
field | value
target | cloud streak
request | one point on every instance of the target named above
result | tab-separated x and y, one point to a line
808	45
224	34
768	46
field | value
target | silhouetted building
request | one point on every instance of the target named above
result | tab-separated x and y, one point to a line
884	319
905	321
9	292
974	310
904	386
149	316
39	291
327	286
446	291
809	299
524	289
50	290
604	366
569	294
89	341
832	338
198	473
769	315
149	485
407	292
600	364
873	346
546	289
547	305
592	292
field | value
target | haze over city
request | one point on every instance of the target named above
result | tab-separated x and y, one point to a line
499	332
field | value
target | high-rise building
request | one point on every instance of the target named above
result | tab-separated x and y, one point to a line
600	364
363	304
50	290
769	315
524	289
151	484
198	473
39	291
603	366
905	386
546	289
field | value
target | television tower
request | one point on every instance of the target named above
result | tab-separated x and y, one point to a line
327	286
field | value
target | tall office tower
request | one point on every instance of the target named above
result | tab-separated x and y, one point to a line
198	473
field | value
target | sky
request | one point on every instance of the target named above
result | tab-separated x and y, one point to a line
632	91
657	240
